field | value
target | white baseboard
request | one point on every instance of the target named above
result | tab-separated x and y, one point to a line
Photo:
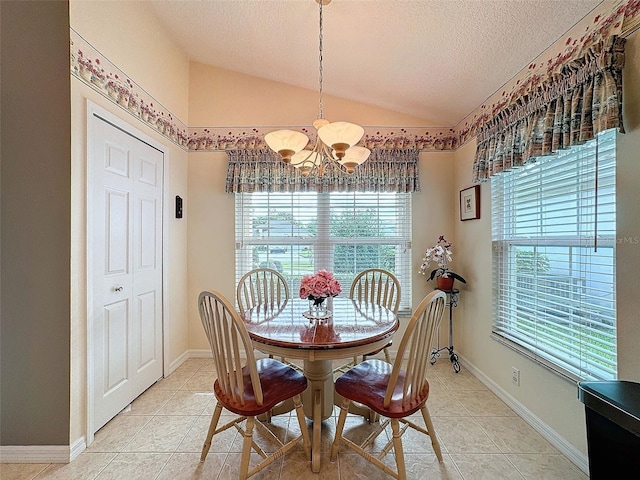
177	362
566	448
77	447
42	453
173	366
205	353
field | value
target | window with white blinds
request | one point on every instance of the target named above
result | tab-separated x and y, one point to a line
345	233
554	259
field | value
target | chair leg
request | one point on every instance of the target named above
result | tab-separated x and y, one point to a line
297	403
344	408
212	428
246	448
397	448
373	417
432	432
387	357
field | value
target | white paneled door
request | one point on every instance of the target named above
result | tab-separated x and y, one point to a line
126	178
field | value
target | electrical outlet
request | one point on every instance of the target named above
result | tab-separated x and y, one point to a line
515	375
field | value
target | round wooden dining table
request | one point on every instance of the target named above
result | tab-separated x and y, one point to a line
354	328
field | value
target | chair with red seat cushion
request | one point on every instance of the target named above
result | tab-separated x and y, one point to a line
245	386
394	391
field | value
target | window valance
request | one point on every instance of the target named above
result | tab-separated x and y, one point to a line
386	170
568	109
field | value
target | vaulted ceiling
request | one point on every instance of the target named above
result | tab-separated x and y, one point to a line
433	59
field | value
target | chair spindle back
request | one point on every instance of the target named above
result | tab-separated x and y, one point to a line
230	345
263	286
415	348
377	286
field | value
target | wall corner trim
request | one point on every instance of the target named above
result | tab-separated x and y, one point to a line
42	453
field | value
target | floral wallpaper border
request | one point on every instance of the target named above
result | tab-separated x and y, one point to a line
420	138
92	68
95	70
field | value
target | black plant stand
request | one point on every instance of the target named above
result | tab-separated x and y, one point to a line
452	301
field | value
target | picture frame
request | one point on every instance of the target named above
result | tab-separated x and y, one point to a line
470	203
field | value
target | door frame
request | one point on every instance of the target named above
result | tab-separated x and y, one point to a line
95	111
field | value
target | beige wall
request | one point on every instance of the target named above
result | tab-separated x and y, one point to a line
128	34
628	220
35	201
219	97
548	397
142	51
211	237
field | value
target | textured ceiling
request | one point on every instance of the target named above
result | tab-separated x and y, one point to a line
434	59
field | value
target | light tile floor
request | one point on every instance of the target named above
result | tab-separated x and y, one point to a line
160	437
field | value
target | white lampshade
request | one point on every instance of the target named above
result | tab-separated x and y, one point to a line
354	156
340	136
286	142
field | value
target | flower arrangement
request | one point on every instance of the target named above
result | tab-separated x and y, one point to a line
441	255
320	286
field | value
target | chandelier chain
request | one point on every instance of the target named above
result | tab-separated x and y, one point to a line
321	114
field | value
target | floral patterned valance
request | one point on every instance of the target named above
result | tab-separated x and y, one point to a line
386	170
581	100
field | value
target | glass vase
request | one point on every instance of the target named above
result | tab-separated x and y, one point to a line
318	307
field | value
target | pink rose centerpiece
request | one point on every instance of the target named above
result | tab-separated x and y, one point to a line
317	288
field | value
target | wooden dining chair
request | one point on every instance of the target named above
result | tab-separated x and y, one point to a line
245	386
266	287
394	391
261	286
380	287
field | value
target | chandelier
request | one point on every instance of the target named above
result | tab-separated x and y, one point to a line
335	143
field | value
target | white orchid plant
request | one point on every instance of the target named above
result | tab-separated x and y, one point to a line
440	254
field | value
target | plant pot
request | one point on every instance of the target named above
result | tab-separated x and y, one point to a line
445	283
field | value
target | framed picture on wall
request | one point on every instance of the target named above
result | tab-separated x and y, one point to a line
470	203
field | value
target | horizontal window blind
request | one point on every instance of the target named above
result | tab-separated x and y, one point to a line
554	252
345	233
